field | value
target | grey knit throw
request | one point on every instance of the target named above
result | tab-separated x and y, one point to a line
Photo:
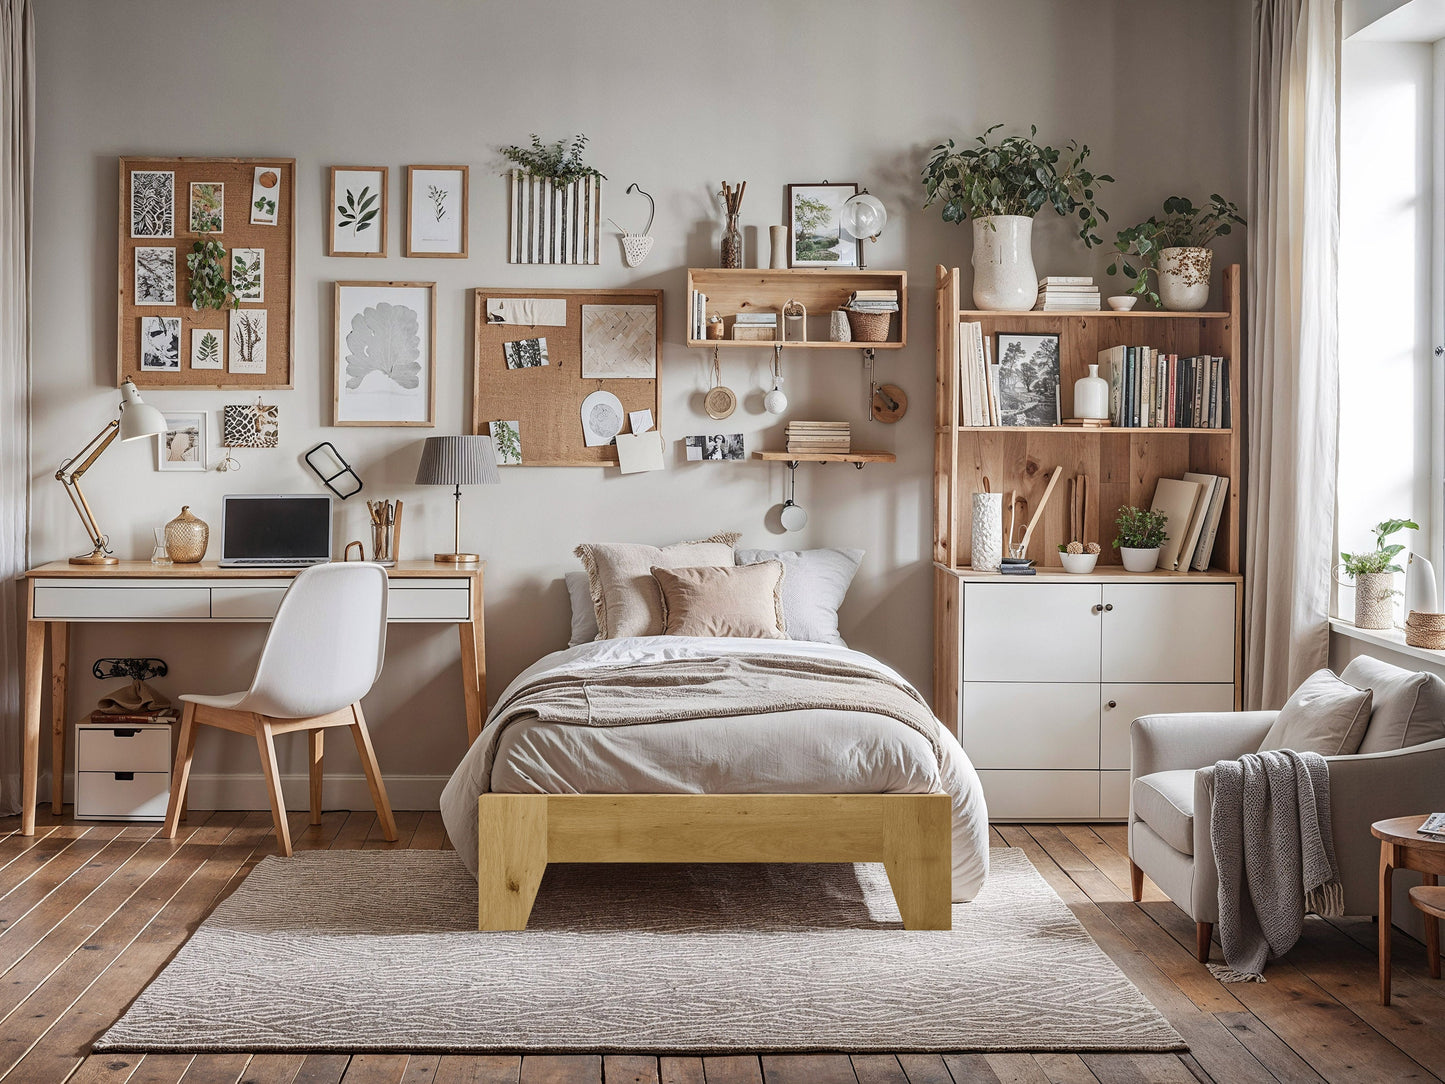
1270	831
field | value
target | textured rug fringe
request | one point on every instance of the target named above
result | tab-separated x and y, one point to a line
1225	973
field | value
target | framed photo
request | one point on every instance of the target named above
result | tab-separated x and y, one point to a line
817	238
1028	378
436	211
715	446
357	211
152	203
385	350
183	445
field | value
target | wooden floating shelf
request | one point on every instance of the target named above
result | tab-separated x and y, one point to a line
1087	314
821	290
823	345
1075	430
827	457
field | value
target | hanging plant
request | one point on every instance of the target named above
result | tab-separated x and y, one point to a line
559	163
209	287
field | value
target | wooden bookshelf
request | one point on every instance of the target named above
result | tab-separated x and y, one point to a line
859	458
820	289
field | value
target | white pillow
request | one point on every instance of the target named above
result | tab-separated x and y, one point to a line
584	614
619	576
815	583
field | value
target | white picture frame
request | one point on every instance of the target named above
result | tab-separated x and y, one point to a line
372	385
436	211
182	447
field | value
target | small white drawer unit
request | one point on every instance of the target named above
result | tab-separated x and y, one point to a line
122	770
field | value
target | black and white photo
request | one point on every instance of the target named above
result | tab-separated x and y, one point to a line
155	276
160	343
152	203
717	447
525	353
183	445
1028	379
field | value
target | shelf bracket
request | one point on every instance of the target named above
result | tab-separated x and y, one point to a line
869	356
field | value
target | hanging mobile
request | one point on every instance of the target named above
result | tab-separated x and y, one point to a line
793	517
775	402
720	401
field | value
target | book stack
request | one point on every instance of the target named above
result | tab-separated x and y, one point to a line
873	301
1067	293
1193	506
755	326
977	378
698	314
1151	389
819	437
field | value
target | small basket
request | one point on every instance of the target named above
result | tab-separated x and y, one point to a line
1425	630
869	327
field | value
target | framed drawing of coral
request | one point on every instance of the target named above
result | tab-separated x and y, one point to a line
357	211
385	350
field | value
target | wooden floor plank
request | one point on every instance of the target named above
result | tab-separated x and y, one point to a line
430	832
321	1069
13	844
1106	859
1016	1069
406	825
272	1069
1065	1069
878	1069
216	1069
478	1069
924	1069
161	1069
807	1069
375	1069
561	1069
733	1069
672	1069
1287	1066
629	1069
970	1069
26	864
106	1069
355	831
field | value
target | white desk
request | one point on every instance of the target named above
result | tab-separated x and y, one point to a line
62	594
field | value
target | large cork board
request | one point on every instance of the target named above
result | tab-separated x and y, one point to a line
547	399
278	278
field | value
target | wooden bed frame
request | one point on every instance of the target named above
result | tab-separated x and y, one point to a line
518	834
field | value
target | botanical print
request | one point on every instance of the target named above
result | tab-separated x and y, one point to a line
357	225
155	276
183	445
248	273
253	425
525	353
208	348
818	238
436	200
160	343
208	207
717	446
248	341
384	342
619	341
265	196
152	203
384	354
507	437
1028	379
438	211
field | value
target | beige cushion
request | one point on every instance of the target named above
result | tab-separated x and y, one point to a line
1409	707
744	601
624	594
1325	715
1165	802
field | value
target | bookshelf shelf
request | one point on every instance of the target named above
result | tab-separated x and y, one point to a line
768	344
820	289
1075	430
859	458
1090	315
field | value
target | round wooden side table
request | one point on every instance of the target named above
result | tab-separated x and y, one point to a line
1402	848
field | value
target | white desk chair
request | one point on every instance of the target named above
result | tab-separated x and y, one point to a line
323	654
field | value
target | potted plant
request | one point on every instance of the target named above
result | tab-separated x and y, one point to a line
1001	187
1175	250
1079	557
1373	573
1141	534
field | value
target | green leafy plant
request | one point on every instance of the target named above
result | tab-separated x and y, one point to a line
209	287
1140	528
359	210
559	162
1015	176
266	206
508	445
1182	225
1382	557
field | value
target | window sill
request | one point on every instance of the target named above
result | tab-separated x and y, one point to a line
1390	639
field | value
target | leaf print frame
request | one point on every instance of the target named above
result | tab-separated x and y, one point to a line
341	239
378	403
420	236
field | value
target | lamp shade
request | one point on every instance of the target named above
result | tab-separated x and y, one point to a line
137	417
458	461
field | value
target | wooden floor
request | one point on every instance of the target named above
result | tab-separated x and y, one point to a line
89	913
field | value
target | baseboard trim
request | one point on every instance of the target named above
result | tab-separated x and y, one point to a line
339	791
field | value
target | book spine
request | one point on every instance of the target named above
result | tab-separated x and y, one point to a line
1226	421
1161	386
1173	391
1214	393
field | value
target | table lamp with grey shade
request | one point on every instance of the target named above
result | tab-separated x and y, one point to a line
457	462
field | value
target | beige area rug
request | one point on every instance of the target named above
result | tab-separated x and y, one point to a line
355	951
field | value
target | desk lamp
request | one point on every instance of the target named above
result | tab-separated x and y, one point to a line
457	462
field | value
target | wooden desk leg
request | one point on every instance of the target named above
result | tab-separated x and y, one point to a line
30	751
59	684
1387	869
474	663
1432	932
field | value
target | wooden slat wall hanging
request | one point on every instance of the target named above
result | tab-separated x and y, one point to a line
547	400
554	223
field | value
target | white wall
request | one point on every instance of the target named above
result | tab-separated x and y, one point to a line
676	95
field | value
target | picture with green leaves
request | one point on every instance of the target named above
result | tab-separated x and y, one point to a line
208	207
358	211
248	273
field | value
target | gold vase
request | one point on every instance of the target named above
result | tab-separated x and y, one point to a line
187	537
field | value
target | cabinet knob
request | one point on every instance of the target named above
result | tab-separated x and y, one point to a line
1112	704
1098	609
1108	606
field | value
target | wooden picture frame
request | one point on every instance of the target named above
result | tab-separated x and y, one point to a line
421	211
339	216
358	311
830	200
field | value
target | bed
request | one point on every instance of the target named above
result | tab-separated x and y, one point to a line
828	771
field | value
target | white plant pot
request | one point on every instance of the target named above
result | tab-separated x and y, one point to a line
1184	278
1003	263
1080	564
1139	560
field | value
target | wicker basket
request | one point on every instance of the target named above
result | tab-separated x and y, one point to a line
1425	630
869	327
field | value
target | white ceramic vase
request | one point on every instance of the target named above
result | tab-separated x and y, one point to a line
1003	263
987	532
1091	395
778	246
1184	278
1136	560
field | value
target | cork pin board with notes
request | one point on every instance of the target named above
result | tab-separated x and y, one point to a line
531	349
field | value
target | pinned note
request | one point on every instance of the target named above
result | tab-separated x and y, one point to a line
640	420
638	452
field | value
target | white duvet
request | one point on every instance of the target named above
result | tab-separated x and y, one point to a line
787	752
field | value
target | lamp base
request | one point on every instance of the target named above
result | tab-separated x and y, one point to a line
95	559
456	558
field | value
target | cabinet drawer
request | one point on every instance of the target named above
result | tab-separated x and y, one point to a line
1040	796
122	603
428	604
1022	725
246	603
122	748
1114	796
1131	701
142	797
1175	632
1031	632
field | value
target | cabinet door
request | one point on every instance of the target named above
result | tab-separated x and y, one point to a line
1040	796
1031	632
1114	796
1025	725
1120	705
1175	632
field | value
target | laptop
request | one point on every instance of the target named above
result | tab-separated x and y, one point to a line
275	530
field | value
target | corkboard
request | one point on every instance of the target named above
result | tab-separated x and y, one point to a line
547	400
279	242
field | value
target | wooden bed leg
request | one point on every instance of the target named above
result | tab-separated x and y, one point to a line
511	858
918	855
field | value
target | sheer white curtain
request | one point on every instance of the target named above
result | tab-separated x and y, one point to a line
1292	392
17	145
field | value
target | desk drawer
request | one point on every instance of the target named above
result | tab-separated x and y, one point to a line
245	603
102	796
428	603
121	748
116	603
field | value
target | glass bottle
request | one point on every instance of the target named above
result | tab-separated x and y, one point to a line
159	557
732	244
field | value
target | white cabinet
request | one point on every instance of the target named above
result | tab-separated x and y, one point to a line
1055	668
122	771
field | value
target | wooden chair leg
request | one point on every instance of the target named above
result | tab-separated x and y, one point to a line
266	742
316	743
1203	934
181	773
373	774
1136	882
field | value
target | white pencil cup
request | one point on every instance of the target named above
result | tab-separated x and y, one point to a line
987	531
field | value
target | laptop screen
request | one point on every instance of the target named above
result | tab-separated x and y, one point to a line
276	528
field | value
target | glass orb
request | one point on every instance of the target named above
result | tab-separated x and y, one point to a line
863	216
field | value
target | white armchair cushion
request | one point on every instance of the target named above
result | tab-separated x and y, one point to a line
1325	715
1165	802
1409	707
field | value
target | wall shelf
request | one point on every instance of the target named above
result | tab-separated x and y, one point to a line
1075	430
1088	314
820	289
856	458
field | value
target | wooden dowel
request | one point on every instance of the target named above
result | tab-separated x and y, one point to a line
1039	510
